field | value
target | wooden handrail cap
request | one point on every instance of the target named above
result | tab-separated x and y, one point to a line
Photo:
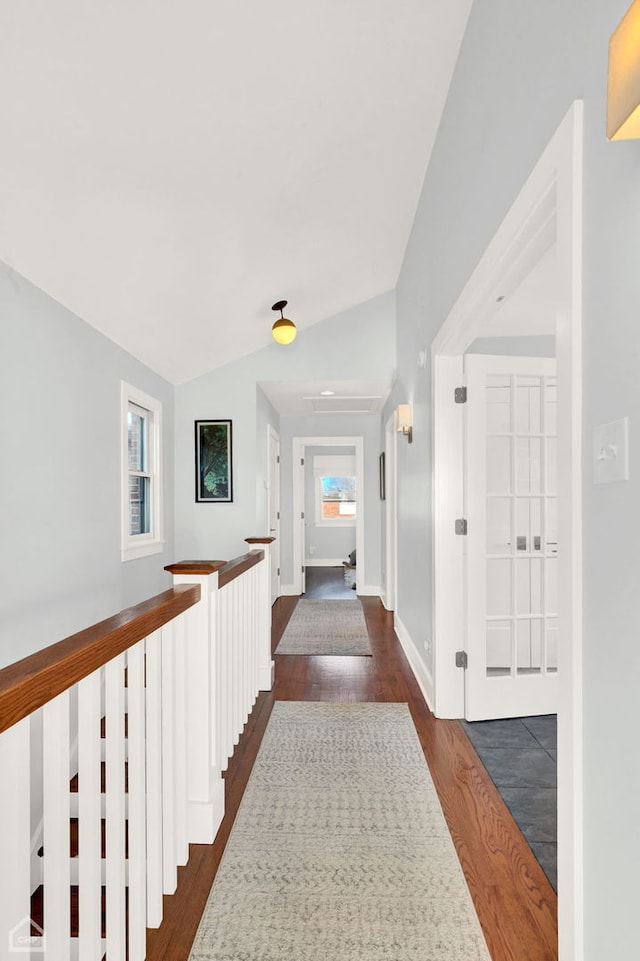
259	540
195	567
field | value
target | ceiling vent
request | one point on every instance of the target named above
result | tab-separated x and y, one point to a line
344	405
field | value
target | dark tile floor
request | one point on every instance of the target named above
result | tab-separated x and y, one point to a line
327	584
520	755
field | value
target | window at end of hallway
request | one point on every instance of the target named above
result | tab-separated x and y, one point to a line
335	489
141	420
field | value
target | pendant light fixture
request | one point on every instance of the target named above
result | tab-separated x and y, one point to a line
284	331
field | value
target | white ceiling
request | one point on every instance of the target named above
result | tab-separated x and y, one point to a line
169	169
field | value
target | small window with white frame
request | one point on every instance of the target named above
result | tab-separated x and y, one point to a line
141	419
335	489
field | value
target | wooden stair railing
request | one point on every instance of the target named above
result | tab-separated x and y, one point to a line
90	706
116	739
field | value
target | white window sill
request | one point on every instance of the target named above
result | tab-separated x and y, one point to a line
133	551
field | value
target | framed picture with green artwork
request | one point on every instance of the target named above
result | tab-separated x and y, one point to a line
213	462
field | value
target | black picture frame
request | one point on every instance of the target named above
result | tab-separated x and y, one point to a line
383	484
213	467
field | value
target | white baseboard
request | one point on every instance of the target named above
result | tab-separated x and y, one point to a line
383	598
266	676
419	668
204	817
288	590
368	590
324	561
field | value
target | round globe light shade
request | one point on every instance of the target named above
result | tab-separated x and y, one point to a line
284	331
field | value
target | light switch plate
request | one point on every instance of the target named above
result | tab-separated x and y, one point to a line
611	452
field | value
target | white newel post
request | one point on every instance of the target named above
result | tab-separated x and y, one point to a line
205	790
265	662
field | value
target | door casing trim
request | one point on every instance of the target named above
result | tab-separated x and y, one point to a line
299	444
548	209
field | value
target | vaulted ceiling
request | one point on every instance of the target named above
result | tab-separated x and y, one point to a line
169	169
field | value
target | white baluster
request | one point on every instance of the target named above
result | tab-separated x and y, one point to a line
154	782
136	803
223	685
266	664
255	628
218	683
232	653
246	647
89	818
15	831
115	806
236	645
57	871
182	844
169	862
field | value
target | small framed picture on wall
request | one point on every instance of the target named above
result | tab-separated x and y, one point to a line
214	479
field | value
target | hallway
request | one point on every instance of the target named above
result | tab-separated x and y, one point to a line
515	903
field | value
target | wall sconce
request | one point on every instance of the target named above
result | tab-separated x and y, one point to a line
404	421
623	90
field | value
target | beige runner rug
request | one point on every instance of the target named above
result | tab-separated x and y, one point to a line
326	627
340	850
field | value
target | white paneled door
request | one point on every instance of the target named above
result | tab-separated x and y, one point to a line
511	540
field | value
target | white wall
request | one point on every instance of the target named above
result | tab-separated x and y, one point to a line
60	567
322	542
521	66
358	344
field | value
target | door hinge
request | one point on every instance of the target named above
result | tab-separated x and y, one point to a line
278	459
278	515
462	660
460	395
302	462
461	525
302	515
302	569
278	572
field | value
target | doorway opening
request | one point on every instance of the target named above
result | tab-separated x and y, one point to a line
352	519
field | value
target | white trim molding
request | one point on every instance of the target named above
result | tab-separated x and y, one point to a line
141	545
298	480
547	211
416	663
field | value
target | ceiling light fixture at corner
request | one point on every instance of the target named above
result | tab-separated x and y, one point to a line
623	93
284	331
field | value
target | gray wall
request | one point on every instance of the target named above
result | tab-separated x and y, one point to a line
60	567
358	344
333	543
521	66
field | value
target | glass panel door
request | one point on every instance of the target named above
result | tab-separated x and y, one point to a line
512	545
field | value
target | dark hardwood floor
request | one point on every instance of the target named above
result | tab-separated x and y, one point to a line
516	904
